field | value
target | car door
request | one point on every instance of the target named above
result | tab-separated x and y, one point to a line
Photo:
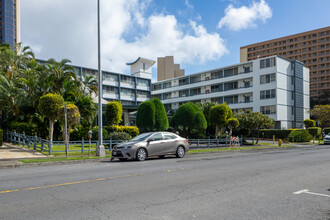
155	144
170	143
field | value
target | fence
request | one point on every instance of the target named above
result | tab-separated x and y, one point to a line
47	146
50	146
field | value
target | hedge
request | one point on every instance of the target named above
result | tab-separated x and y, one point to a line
297	135
279	134
95	135
315	131
131	130
326	131
20	127
1	137
119	136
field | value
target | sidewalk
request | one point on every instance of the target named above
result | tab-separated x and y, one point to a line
9	154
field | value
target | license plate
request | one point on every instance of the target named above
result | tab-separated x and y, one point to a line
114	153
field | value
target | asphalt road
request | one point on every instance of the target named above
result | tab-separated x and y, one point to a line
263	184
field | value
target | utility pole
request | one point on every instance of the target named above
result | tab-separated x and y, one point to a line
100	151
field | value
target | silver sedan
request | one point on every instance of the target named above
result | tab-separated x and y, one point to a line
151	144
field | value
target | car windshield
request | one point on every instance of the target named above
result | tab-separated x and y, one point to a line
141	137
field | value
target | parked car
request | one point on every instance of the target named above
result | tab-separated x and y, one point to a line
327	139
151	144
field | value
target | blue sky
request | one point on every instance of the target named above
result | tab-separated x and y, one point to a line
200	34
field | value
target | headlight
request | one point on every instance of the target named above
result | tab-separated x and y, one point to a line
127	147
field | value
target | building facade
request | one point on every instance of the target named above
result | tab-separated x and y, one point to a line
129	90
312	48
275	86
166	69
10	22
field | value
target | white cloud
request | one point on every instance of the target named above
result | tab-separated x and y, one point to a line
187	3
244	17
67	29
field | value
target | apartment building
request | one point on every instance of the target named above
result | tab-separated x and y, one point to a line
275	86
10	22
166	69
129	90
312	48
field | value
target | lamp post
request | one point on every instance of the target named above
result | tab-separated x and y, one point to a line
90	138
100	151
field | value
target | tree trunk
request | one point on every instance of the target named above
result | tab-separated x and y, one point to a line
51	130
257	137
217	130
230	131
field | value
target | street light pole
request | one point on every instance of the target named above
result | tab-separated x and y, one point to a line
100	151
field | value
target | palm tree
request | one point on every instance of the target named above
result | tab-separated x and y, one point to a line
89	84
12	62
11	96
60	73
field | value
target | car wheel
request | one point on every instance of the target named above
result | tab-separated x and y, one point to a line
141	154
180	152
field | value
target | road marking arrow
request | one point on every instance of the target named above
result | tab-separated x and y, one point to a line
312	193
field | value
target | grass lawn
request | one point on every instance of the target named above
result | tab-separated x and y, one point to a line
74	150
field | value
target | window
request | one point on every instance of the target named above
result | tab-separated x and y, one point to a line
144	67
268	110
156	137
169	136
268	94
269	62
268	78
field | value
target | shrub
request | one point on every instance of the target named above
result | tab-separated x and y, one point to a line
95	135
1	137
244	132
297	135
131	130
119	136
309	123
279	134
78	133
326	131
315	131
145	117
20	127
114	111
161	121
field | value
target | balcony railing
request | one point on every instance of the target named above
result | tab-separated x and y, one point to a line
199	80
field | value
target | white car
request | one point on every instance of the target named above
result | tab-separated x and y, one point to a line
327	139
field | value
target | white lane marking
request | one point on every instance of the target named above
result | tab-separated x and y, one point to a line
308	192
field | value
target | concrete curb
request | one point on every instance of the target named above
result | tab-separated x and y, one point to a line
52	163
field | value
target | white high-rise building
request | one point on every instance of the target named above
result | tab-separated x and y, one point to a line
275	86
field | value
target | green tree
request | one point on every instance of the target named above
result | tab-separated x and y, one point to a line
89	84
73	117
189	117
59	74
87	109
48	107
255	121
145	117
114	112
232	123
309	123
219	115
314	131
161	121
322	114
206	107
